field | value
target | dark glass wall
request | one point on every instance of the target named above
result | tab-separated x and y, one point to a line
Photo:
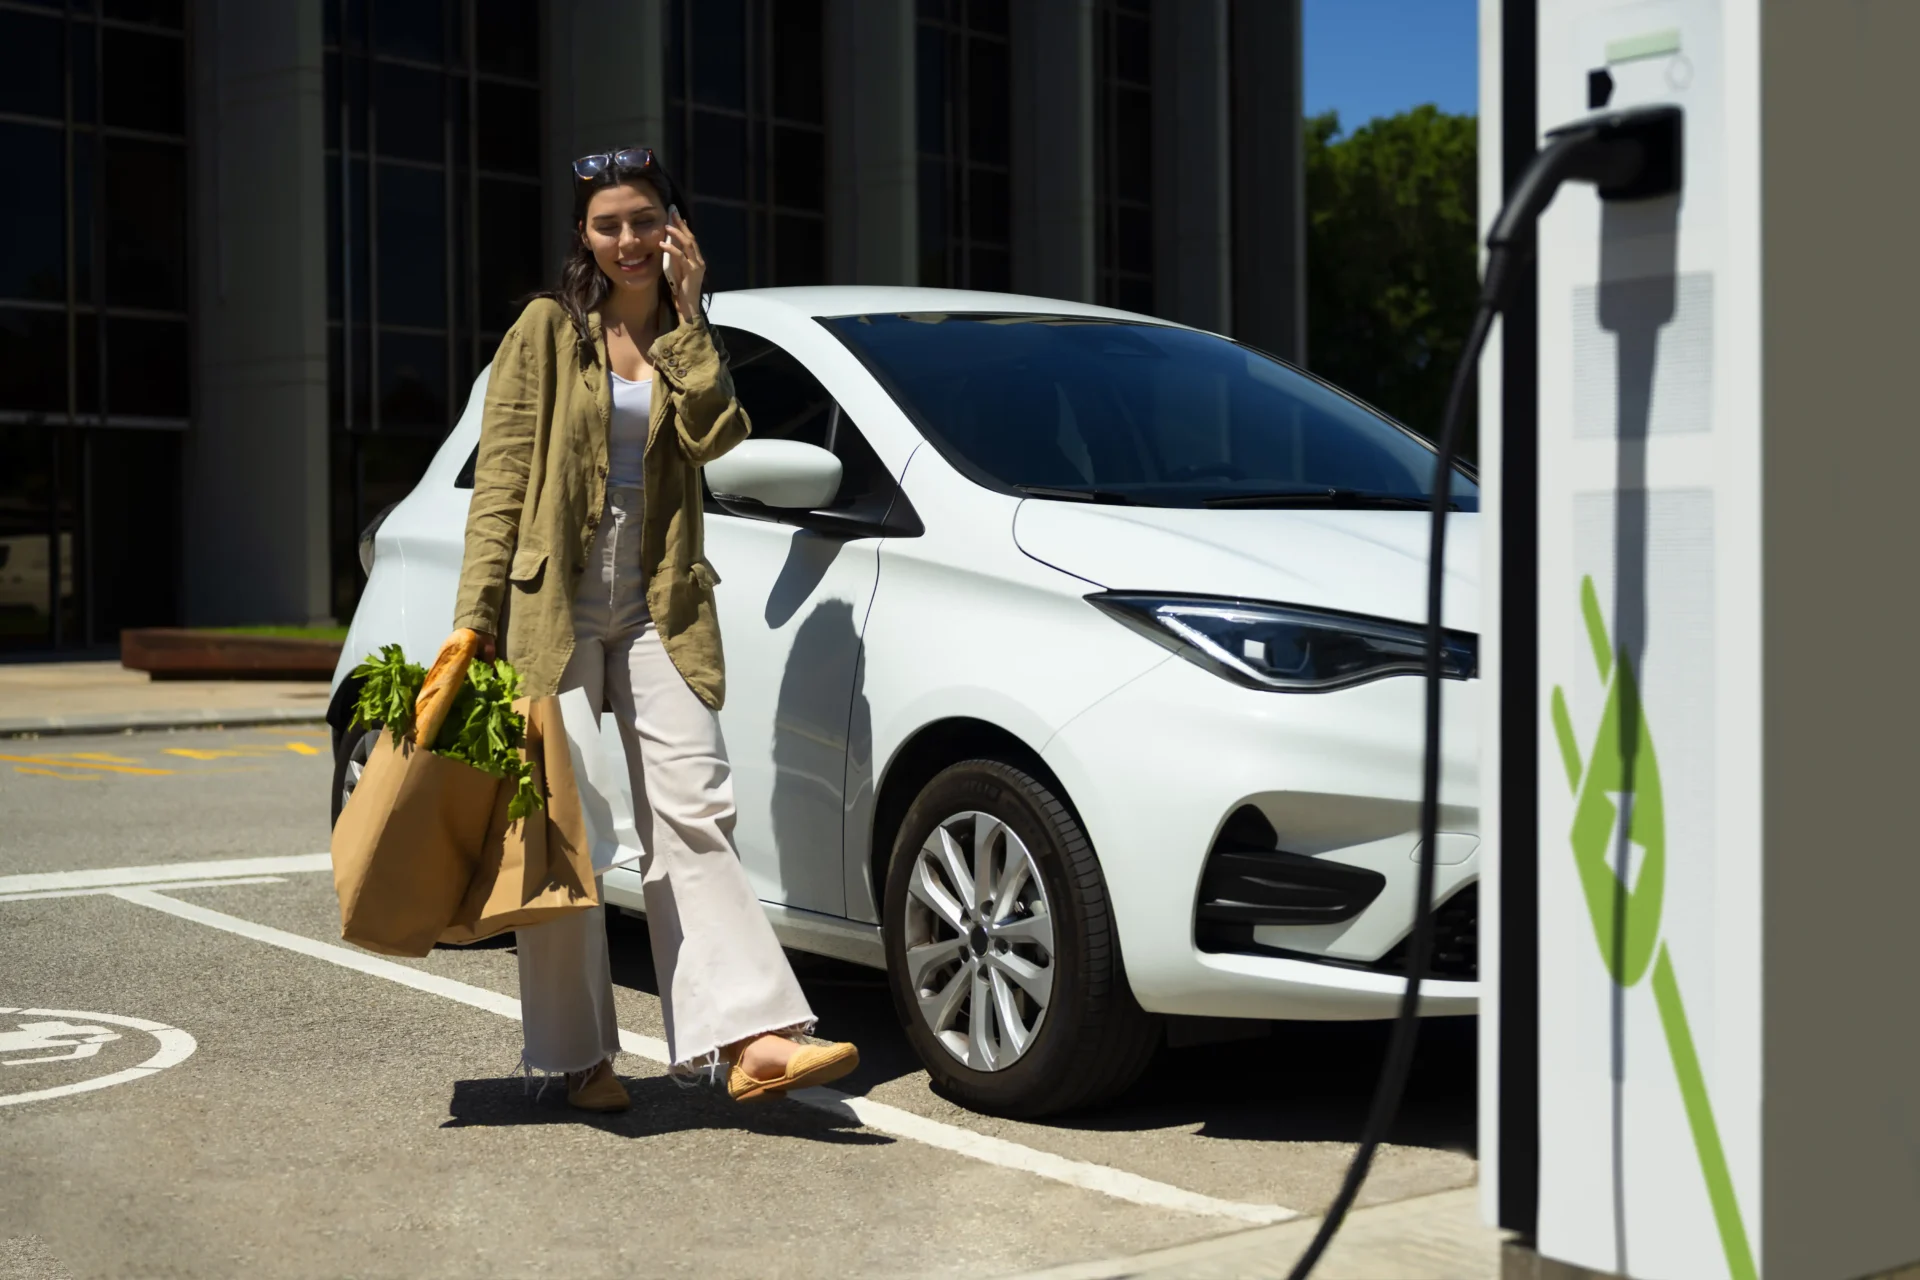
1123	152
963	118
434	168
95	367
746	135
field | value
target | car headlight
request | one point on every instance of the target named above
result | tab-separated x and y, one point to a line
1283	648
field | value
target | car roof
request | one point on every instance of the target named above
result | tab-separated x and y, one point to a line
824	301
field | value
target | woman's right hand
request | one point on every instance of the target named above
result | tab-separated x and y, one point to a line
485	651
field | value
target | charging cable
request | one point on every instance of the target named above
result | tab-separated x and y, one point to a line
1625	155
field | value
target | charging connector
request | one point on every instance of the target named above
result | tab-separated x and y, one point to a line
1625	155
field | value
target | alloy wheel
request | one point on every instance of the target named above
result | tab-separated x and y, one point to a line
979	940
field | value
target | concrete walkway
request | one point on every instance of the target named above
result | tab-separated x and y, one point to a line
40	699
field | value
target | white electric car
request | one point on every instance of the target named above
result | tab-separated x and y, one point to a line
1073	667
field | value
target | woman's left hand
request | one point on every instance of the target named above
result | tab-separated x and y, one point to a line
689	266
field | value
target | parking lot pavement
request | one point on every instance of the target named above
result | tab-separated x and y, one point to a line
276	1103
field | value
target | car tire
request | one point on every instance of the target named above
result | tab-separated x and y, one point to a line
1088	1040
349	757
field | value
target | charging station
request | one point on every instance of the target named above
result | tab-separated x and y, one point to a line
1700	968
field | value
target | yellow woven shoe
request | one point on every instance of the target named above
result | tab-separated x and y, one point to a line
597	1090
811	1064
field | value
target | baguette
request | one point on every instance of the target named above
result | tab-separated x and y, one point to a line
442	683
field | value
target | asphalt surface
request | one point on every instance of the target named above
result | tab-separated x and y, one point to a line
335	1122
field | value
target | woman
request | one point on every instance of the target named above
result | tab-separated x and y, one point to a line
584	551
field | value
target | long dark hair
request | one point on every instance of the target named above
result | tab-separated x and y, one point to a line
582	286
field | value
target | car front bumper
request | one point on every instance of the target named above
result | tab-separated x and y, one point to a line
1156	768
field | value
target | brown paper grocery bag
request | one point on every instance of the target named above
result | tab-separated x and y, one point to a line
405	848
541	866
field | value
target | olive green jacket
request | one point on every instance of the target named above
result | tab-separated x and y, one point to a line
541	479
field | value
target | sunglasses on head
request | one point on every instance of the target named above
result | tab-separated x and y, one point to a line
587	168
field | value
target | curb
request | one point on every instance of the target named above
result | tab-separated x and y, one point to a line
158	721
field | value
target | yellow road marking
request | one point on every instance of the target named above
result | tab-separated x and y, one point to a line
221	753
107	768
49	773
95	755
304	748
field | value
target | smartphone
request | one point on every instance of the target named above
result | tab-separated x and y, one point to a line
666	259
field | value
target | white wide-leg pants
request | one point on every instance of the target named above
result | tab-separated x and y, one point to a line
723	977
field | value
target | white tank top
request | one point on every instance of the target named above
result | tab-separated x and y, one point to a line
627	442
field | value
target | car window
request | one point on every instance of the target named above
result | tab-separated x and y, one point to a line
1157	415
786	402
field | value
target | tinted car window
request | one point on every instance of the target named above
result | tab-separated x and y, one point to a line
1148	413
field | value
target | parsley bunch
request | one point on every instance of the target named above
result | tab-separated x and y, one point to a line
481	729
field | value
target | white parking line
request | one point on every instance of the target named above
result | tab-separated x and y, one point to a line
225	869
878	1116
164	884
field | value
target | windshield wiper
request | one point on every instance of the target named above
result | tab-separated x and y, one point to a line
1075	495
1357	499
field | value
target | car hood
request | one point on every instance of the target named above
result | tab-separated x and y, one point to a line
1366	562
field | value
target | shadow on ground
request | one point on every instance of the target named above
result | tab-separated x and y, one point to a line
1304	1082
660	1106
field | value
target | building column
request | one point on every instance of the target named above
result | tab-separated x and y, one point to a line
602	92
1269	179
872	188
256	456
1192	176
1054	209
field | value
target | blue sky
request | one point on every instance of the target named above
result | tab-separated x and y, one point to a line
1367	58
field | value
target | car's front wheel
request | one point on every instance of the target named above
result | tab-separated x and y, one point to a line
349	758
1002	952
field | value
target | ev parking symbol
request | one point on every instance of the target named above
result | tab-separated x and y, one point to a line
54	1049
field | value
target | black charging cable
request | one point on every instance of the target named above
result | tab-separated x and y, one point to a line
1626	155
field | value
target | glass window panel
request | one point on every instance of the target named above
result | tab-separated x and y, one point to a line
675	147
30	62
146	227
719	34
164	13
988	15
511	253
1133	145
86	363
509	137
933	222
1133	49
413	247
1134	240
143	80
409	29
676	49
83	50
930	89
1136	294
990	269
330	21
990	207
800	251
134	541
410	109
33	237
723	238
933	10
358	260
719	155
330	78
799	168
33	360
506	37
783	399
799	76
989	135
413	382
26	568
362	375
147	371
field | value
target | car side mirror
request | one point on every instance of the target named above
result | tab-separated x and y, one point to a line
780	475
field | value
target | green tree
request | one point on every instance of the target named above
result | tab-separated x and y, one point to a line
1392	265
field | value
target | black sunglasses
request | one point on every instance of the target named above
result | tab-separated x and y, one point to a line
587	168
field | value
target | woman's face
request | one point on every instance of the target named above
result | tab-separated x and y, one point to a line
624	227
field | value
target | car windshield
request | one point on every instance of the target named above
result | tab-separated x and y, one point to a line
1090	409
